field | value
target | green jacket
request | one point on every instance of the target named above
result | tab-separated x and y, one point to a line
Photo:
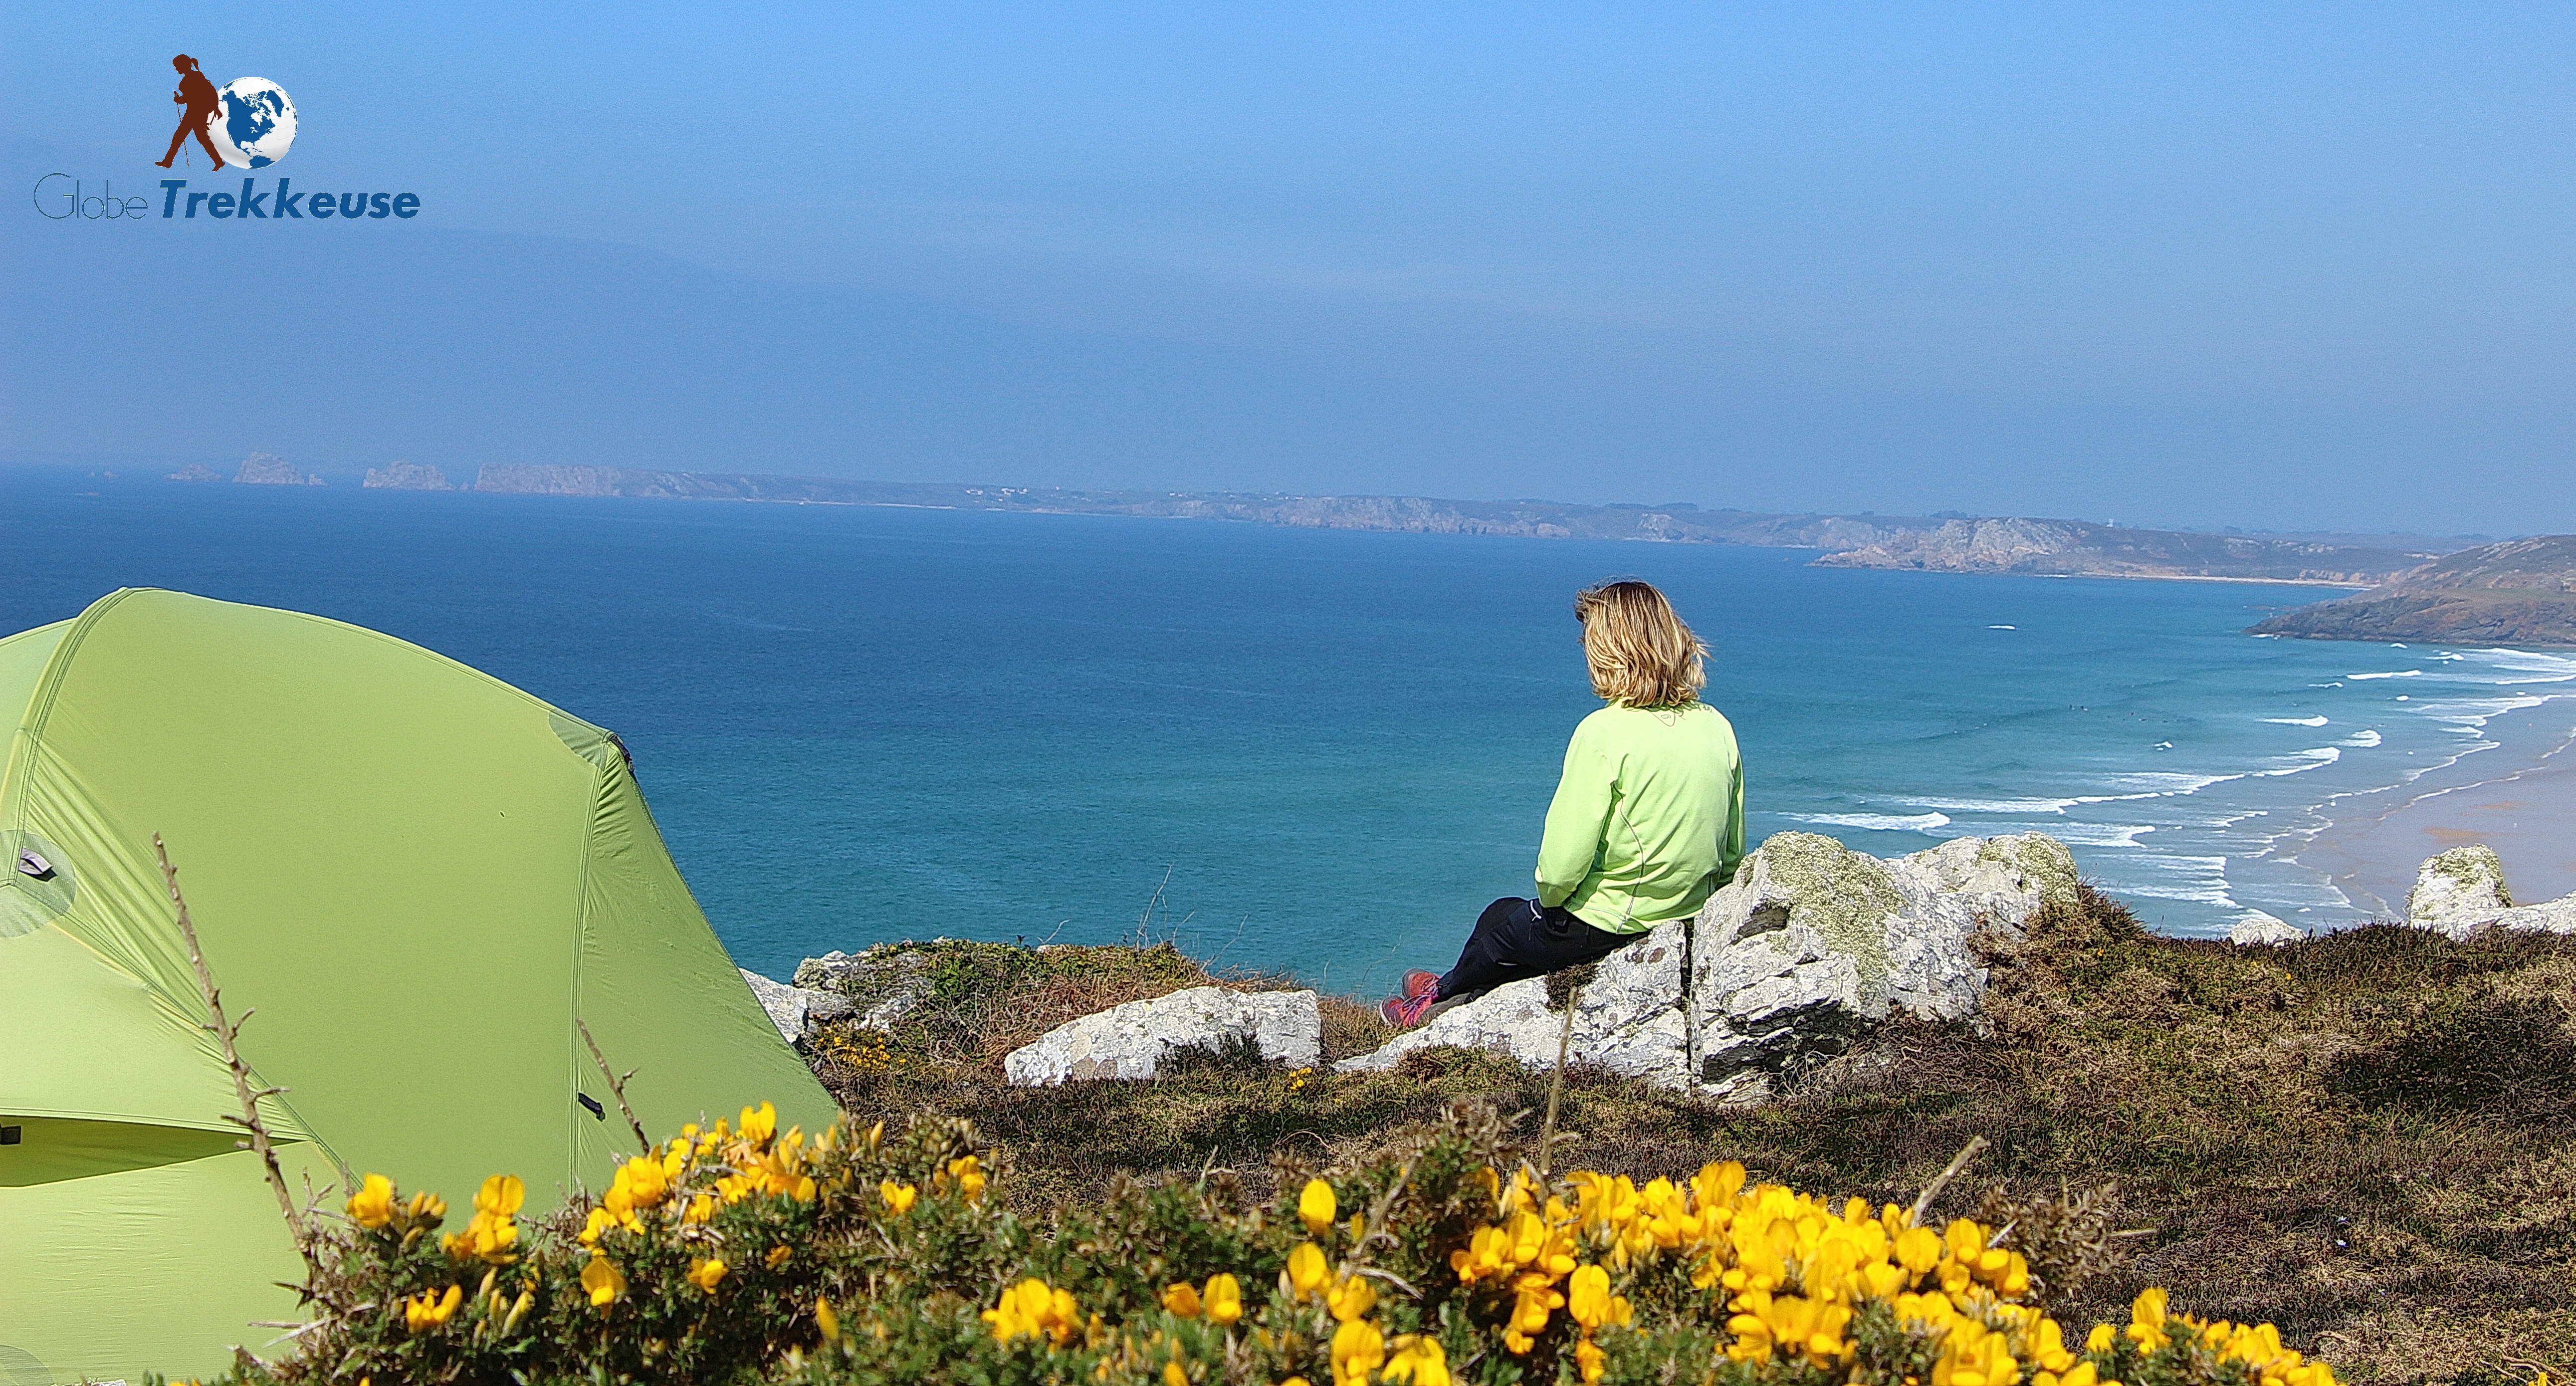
1648	818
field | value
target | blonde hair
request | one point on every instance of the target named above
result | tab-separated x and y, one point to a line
1640	653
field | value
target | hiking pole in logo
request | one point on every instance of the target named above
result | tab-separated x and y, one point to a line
198	101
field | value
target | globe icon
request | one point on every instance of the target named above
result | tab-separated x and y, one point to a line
255	124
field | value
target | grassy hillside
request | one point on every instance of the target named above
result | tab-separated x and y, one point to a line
2365	1137
2199	1161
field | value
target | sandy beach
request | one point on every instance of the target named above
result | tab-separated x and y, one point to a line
2518	797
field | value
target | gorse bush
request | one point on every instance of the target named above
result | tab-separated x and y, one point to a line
740	1253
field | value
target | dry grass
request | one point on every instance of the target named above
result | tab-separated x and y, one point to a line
2365	1138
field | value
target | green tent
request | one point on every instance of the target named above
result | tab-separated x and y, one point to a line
419	875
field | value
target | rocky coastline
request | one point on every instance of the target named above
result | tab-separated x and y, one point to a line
2520	592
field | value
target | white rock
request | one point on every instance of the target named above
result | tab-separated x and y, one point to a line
883	985
2459	887
1133	1041
794	1010
1627	1019
1813	944
2254	926
2549	917
1511	1019
1810	945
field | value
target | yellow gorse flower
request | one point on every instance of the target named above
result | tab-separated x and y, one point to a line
898	1198
1350	1298
1224	1300
431	1309
1307	1272
707	1273
826	1320
968	1172
1182	1299
1418	1360
1034	1309
1358	1350
492	1233
1316	1206
372	1206
605	1282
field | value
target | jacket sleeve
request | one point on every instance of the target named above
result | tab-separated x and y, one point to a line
1730	848
1576	819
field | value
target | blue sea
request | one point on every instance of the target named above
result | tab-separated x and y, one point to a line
1311	750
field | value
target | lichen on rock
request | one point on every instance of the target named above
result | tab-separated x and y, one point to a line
2456	886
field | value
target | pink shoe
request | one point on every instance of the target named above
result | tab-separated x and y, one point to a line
1405	1012
1417	982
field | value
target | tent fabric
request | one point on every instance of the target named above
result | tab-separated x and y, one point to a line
421	877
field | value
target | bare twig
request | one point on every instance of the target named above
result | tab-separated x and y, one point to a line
1391	1278
225	1031
1958	1162
616	1086
1556	1084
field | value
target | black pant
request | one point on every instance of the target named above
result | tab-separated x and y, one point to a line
1516	939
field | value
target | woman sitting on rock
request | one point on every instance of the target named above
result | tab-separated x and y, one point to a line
1648	818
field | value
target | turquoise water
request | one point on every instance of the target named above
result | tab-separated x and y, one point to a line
1313	750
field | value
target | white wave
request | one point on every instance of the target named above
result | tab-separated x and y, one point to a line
2003	627
2296	721
2365	739
1994	805
2155	784
2337	684
2201	880
2471	714
2304	761
2525	666
1878	822
2098	834
2393	674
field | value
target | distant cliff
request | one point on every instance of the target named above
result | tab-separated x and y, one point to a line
1678	523
407	476
2065	547
269	469
1939	543
2521	592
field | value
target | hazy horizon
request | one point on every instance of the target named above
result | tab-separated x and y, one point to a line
2296	271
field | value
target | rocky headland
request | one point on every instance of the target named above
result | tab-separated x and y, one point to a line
2520	592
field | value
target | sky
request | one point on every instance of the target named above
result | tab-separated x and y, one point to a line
2283	266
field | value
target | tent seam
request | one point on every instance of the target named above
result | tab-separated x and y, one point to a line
580	950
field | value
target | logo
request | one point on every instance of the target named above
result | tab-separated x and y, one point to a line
247	123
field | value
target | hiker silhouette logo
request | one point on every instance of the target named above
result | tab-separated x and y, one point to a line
247	123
